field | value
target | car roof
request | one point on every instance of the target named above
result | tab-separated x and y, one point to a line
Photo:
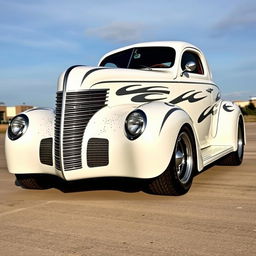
177	45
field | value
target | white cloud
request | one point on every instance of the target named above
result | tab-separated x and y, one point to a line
241	18
32	38
121	32
40	43
237	95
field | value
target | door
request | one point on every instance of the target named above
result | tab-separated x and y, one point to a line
195	94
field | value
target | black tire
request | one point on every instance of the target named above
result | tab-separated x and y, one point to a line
177	178
235	158
36	181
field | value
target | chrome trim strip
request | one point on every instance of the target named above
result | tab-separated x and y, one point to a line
157	82
37	108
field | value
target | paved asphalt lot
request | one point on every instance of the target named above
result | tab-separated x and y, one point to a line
112	217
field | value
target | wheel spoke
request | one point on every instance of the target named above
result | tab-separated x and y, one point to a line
183	158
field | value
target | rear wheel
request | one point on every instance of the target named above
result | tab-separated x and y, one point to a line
177	178
236	158
35	181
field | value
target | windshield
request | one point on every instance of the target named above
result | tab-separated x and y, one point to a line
141	57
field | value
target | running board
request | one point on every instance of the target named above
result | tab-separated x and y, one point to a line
213	153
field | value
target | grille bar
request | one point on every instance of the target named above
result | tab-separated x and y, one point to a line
78	109
45	152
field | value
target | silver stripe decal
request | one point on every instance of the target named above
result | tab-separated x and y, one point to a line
139	81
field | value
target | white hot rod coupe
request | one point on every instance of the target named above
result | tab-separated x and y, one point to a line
148	111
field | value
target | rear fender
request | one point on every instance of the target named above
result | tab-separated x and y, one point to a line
228	120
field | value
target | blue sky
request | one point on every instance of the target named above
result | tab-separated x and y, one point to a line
40	39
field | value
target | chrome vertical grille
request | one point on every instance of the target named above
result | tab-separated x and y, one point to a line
57	130
78	110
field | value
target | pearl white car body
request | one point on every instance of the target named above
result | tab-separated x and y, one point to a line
86	135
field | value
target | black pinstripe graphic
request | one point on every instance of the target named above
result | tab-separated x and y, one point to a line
189	96
143	92
167	115
89	72
208	111
65	79
226	107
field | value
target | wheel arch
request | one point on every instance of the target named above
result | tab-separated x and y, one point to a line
196	151
172	120
176	180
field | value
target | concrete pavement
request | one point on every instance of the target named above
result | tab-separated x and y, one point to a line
216	217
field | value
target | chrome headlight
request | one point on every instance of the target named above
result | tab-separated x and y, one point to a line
18	126
135	124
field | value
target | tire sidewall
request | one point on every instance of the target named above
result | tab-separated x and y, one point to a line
182	188
240	157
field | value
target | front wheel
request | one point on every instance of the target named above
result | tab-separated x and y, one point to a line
177	178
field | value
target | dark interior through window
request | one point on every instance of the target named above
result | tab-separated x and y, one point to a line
118	60
142	57
191	56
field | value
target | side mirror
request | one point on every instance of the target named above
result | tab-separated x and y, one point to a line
189	67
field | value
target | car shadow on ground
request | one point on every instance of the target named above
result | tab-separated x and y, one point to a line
128	185
123	184
120	184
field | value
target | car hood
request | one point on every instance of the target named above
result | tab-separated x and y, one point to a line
138	85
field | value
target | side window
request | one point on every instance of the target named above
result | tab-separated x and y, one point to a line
191	56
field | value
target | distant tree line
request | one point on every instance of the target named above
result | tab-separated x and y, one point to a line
249	109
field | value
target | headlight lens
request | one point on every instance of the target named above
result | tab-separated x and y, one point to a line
135	124
18	126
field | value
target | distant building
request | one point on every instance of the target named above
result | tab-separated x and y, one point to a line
253	100
242	104
3	116
7	113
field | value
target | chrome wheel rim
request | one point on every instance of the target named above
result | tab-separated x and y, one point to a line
240	142
183	158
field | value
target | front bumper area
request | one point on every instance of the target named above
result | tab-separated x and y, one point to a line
105	149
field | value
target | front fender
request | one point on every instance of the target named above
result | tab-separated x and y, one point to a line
169	120
23	155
